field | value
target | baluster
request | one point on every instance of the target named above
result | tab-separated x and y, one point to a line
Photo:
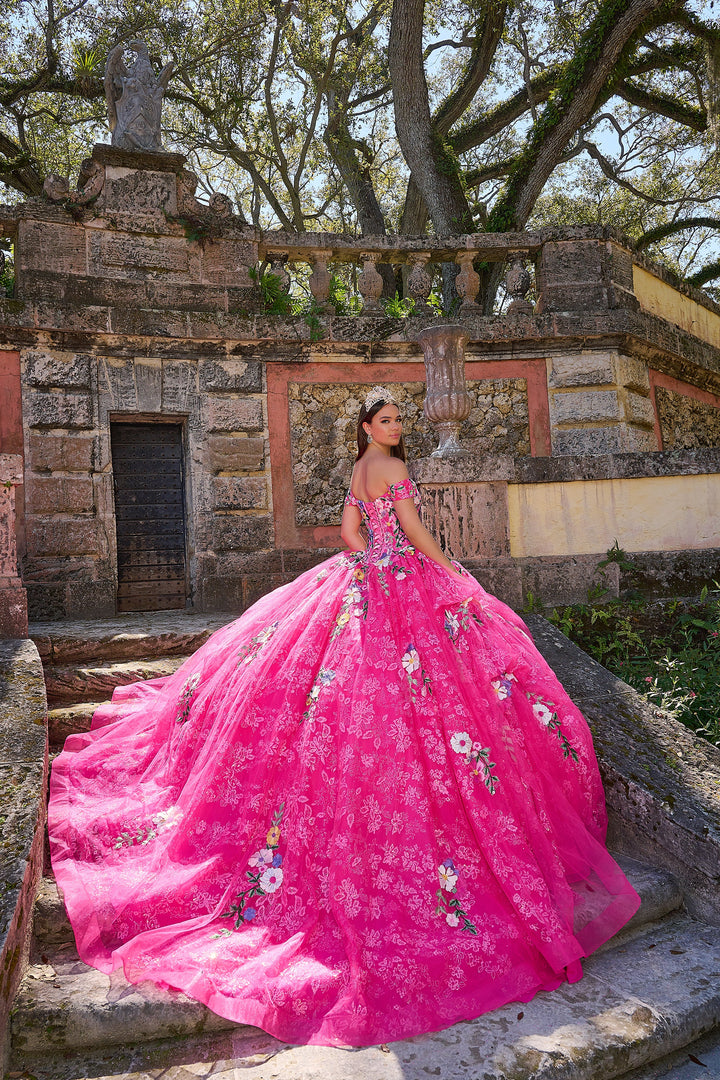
518	282
277	267
370	283
419	282
467	282
320	281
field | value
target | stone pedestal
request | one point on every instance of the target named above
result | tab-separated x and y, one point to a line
13	598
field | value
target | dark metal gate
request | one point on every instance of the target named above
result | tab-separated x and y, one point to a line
150	515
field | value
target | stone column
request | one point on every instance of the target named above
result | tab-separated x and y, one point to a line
447	402
13	598
600	403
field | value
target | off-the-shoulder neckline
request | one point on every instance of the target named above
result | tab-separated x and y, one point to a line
369	502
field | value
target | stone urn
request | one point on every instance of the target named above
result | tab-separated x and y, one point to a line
447	402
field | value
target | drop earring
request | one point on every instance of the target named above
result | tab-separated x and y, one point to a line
369	438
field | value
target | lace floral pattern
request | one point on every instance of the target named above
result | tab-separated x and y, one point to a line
366	719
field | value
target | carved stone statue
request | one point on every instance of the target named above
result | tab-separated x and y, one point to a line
134	98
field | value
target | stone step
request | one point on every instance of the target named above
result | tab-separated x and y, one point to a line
70	720
73	683
637	1003
137	635
659	892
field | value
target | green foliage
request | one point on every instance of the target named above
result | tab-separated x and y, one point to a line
397	308
7	271
669	652
289	109
343	298
576	71
278	301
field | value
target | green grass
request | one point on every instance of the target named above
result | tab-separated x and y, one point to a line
668	651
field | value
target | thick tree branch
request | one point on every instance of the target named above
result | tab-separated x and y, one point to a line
661	232
504	114
663	105
487	39
612	32
434	168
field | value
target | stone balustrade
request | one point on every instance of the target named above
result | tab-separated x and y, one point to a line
419	254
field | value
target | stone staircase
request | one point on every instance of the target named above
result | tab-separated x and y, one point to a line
645	1000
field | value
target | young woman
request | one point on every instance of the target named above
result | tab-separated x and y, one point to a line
365	810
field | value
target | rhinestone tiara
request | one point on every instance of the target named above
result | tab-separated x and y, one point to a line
378	393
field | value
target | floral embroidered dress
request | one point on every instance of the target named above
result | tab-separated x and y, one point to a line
364	810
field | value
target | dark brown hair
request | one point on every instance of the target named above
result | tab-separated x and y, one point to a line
365	417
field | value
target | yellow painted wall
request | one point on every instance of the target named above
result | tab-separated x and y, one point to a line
661	299
658	513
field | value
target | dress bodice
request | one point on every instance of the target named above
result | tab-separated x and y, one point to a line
385	534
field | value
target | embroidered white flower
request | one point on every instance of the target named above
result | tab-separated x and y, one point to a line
411	659
542	712
271	880
448	877
264	857
461	742
452	919
452	623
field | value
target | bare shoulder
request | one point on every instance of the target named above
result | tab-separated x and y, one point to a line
395	470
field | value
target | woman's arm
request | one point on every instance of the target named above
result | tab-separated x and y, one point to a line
350	528
419	536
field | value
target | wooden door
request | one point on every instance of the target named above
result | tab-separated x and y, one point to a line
150	515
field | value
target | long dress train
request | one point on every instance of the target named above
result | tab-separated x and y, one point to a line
364	810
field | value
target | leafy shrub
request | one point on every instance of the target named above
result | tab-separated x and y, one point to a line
668	651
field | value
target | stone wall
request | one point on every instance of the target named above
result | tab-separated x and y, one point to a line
686	422
323	420
125	313
23	779
70	400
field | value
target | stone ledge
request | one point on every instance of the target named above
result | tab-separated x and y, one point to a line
481	468
23	775
662	783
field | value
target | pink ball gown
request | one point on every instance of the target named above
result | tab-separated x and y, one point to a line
364	810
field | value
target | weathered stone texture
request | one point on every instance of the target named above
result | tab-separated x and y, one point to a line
232	453
23	774
233	414
137	191
613	439
323	418
67	370
468	520
60	410
59	536
239	493
582	406
49	246
61	453
227	263
179	386
233	532
241	376
48	495
134	257
685	422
